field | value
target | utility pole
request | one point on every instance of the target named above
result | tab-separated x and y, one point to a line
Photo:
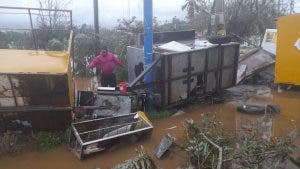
292	6
148	48
148	37
96	21
278	8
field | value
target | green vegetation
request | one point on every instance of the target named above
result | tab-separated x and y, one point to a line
247	19
158	115
259	153
14	143
201	152
49	140
142	160
253	152
9	143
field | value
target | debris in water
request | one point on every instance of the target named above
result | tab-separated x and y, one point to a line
259	109
171	128
179	112
164	145
141	161
204	138
251	109
8	143
244	92
260	153
204	152
273	108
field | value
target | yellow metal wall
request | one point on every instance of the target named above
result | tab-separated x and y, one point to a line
287	67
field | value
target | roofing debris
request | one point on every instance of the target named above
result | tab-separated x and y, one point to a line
165	143
253	63
175	46
259	109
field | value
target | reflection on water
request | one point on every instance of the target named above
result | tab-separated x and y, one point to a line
241	124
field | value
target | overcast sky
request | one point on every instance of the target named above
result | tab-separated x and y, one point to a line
109	11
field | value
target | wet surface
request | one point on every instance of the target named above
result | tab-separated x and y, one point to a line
280	124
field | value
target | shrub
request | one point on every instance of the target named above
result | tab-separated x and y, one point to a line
50	140
9	143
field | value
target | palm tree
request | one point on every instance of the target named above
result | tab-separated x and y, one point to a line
191	6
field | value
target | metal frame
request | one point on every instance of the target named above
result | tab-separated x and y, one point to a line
168	79
80	145
27	110
32	29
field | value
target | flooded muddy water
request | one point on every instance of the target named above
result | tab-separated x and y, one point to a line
62	158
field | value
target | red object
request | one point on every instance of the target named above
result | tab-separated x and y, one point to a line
123	87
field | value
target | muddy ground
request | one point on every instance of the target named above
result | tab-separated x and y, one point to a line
280	124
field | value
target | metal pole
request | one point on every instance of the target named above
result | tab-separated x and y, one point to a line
148	48
148	37
32	30
96	19
71	20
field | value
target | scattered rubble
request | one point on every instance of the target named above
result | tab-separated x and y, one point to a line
141	161
244	92
208	146
259	109
256	67
273	108
179	112
164	145
9	143
171	128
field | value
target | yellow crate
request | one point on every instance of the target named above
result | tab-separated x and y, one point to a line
287	67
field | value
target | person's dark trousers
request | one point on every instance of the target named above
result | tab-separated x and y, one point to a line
108	80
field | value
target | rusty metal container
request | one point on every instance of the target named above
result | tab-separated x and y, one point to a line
35	89
182	76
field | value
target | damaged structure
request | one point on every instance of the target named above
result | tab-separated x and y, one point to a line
40	94
36	88
184	69
97	135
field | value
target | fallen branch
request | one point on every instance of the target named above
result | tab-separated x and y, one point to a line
218	147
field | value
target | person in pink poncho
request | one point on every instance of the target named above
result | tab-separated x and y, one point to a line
106	62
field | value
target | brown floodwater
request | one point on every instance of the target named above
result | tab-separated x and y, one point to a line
62	158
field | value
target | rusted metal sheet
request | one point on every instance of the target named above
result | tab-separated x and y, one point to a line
255	61
33	91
